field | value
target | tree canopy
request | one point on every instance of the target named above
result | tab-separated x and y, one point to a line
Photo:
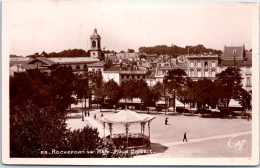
175	50
229	84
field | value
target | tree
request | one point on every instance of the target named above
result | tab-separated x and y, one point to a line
82	89
86	139
229	84
145	93
160	92
186	94
62	88
37	114
203	90
131	50
112	91
245	99
175	50
95	85
34	129
129	89
173	80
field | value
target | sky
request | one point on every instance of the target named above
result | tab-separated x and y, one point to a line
57	25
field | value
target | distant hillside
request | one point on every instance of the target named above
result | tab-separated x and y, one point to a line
14	56
65	53
176	50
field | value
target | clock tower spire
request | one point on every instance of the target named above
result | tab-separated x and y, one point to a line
95	45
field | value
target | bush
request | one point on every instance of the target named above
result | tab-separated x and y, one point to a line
181	110
159	108
204	111
107	106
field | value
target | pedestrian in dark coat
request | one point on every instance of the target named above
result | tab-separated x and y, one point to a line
185	137
166	121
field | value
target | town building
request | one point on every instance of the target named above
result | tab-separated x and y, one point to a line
77	64
202	66
17	65
135	75
112	73
238	57
50	64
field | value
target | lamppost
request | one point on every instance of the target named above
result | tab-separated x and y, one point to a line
82	112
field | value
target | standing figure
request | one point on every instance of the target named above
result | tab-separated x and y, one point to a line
185	137
166	121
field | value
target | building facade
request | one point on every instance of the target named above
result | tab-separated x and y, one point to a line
135	75
238	57
202	66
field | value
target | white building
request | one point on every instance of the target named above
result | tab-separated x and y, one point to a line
200	66
112	74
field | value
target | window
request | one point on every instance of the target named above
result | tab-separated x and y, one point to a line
199	64
85	67
248	81
192	64
199	74
213	64
77	67
206	73
205	64
164	72
93	44
213	74
191	73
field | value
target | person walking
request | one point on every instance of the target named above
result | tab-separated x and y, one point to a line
166	121
185	137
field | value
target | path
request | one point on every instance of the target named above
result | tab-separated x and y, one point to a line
206	138
190	141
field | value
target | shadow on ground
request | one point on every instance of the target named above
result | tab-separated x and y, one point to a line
158	148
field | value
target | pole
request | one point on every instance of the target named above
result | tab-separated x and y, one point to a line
82	112
110	129
104	126
149	129
126	131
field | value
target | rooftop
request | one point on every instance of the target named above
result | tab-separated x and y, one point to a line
65	60
95	34
19	60
113	68
96	64
247	62
230	52
132	72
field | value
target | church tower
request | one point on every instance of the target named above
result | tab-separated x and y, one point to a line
95	43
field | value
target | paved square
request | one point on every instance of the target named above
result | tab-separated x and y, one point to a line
207	137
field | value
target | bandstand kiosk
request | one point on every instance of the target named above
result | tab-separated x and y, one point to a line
127	118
